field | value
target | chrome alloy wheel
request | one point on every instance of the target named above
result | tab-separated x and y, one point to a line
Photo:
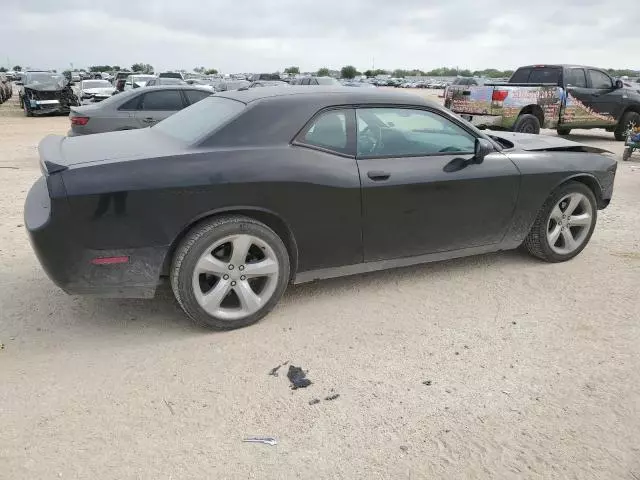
235	276
569	223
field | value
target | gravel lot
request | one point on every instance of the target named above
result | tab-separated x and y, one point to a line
497	366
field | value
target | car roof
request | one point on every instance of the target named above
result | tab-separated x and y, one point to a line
336	94
559	65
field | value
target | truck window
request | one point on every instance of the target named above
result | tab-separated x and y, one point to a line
545	75
600	80
576	77
520	76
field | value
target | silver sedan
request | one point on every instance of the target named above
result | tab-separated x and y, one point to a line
133	109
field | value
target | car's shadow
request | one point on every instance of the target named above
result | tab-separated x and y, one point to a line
57	319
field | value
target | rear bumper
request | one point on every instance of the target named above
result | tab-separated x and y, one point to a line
70	265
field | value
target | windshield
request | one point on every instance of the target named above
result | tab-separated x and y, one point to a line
96	84
44	77
171	81
327	81
200	119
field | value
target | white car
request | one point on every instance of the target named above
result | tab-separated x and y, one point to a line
90	91
136	81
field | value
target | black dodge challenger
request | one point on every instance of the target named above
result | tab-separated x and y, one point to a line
246	191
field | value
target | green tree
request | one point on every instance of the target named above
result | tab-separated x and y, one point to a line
211	71
199	69
116	68
2	69
100	68
323	72
17	68
292	70
142	68
348	71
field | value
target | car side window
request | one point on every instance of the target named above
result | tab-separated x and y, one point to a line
400	132
305	81
163	100
194	96
329	130
131	104
600	80
576	77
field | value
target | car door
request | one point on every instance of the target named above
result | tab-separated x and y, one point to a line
590	101
157	105
414	199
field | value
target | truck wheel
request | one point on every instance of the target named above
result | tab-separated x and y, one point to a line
527	123
563	131
629	120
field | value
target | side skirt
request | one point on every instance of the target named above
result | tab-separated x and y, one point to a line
333	272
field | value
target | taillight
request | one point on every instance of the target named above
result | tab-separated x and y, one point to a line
79	120
499	95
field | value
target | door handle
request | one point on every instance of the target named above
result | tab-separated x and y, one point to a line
147	120
378	175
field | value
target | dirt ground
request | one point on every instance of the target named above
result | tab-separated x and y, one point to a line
497	366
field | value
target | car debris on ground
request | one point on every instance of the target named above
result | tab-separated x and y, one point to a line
298	378
266	440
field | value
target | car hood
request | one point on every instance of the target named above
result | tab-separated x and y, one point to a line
100	91
58	153
543	143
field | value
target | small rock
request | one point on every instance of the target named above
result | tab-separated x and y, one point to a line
1	346
448	390
427	383
332	397
404	448
513	323
314	401
19	225
457	353
466	347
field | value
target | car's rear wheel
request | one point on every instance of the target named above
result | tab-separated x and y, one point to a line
527	123
229	272
564	224
628	121
563	131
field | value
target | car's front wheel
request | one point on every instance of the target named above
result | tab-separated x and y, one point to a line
229	272
564	224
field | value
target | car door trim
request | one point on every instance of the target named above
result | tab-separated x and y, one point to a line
366	267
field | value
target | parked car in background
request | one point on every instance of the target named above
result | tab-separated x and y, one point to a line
264	76
6	89
232	206
267	83
136	81
91	91
350	83
177	75
159	81
228	85
135	108
119	79
550	96
42	92
314	81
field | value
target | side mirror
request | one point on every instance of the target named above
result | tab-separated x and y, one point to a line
19	83
482	149
619	84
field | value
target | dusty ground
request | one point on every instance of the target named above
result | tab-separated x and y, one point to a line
534	369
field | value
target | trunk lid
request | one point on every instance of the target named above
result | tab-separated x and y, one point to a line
58	153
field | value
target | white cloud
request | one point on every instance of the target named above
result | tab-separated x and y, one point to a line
270	35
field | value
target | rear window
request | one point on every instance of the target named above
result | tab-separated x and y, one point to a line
200	119
537	75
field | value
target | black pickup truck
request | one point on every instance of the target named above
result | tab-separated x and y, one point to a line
550	96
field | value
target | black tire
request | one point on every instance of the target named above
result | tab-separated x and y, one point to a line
563	131
628	121
27	111
536	242
195	244
527	123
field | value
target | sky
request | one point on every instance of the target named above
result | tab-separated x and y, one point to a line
270	35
